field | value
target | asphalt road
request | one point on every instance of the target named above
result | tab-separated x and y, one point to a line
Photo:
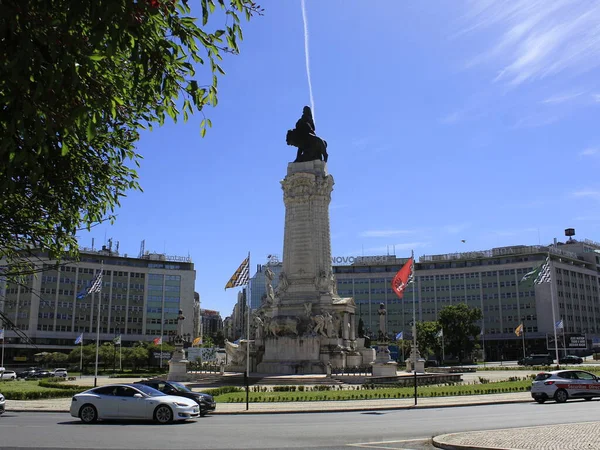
402	429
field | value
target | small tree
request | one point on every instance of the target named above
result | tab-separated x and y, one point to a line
427	339
460	329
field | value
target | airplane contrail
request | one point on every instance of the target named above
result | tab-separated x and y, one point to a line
307	58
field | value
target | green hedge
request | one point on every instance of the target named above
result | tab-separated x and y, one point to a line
37	395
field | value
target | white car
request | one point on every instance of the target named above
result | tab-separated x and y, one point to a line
561	385
132	401
2	404
8	375
62	373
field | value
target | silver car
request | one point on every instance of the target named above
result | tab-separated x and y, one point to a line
561	385
129	401
2	404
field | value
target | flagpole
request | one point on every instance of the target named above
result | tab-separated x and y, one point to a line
3	340
248	319
81	357
523	338
551	268
98	323
443	348
414	327
120	354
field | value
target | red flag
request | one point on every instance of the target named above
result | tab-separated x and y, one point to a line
157	341
402	278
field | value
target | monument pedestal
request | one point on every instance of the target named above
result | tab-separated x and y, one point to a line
419	365
383	365
307	325
178	365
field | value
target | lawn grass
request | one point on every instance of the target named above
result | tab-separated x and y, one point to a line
31	389
361	393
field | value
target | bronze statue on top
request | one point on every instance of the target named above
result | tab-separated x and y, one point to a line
310	146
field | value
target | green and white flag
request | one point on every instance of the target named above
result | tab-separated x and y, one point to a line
117	340
544	274
538	275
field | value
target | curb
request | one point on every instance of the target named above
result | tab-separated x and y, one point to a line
326	410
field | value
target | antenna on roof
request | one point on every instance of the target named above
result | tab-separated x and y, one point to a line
142	248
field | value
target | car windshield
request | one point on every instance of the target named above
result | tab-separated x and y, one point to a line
149	391
180	387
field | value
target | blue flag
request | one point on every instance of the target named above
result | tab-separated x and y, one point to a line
95	286
79	339
400	336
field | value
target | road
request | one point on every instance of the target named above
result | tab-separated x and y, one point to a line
382	429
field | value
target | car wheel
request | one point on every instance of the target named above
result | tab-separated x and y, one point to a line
587	399
540	400
561	396
163	414
203	413
88	414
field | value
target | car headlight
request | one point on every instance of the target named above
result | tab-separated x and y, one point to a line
1	398
181	404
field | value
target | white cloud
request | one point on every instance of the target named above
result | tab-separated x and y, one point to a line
404	246
456	228
587	193
511	233
384	233
452	118
596	98
538	38
563	98
589	152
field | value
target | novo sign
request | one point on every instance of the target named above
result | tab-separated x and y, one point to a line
346	260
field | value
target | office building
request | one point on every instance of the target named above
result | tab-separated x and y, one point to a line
489	280
140	299
258	282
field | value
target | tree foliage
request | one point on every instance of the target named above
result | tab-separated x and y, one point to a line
427	340
78	81
461	332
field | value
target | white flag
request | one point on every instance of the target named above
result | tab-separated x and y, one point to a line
2	334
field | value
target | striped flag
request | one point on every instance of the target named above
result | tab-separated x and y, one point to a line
519	330
440	334
157	341
559	325
79	339
532	275
2	334
95	286
241	275
403	277
400	336
544	276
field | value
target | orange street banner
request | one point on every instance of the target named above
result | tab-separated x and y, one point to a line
403	277
197	341
519	330
241	275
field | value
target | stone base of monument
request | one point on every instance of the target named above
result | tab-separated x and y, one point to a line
419	366
383	366
294	355
178	365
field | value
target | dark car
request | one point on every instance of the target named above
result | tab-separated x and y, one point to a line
537	360
205	401
571	359
27	373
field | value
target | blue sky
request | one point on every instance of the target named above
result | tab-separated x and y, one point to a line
445	121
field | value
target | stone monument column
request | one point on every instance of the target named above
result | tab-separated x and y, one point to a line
307	244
